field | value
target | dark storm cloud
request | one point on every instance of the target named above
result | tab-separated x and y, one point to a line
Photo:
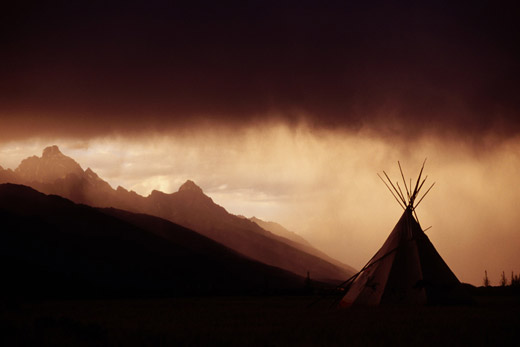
88	68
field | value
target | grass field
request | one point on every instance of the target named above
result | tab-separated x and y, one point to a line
258	321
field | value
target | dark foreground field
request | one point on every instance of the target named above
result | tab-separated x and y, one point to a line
261	321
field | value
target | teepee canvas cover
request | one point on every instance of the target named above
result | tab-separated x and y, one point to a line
407	269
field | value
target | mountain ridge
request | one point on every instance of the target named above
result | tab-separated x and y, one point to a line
189	207
280	230
54	247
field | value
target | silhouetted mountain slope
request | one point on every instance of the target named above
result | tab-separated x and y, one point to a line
189	207
298	242
279	230
51	246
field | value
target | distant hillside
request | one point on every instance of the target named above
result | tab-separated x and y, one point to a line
279	230
299	242
55	173
51	246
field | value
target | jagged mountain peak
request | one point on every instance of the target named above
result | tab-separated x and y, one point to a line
91	173
52	165
156	192
189	185
51	151
92	176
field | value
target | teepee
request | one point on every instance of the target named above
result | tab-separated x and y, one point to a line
407	269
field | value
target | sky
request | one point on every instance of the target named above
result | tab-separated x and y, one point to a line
284	110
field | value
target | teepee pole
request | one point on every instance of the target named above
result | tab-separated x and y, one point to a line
400	191
416	217
412	195
420	186
395	197
415	191
424	195
404	181
390	181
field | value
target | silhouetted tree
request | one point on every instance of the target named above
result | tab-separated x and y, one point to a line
515	280
486	279
503	280
308	283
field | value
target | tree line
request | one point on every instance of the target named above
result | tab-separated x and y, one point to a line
514	281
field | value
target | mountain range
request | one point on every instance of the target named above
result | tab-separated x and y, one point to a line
50	246
265	242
